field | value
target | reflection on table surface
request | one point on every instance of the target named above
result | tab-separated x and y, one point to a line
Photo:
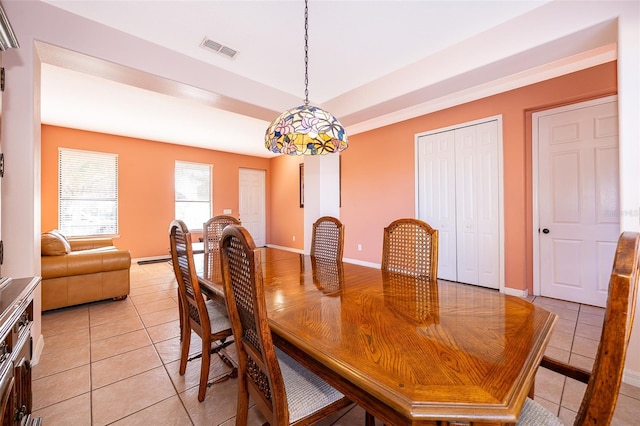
405	348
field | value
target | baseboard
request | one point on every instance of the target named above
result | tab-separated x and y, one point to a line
153	259
345	260
286	248
631	377
515	292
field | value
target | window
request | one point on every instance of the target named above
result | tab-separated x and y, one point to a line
193	193
87	193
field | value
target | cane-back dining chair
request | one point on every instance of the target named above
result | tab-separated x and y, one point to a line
208	319
285	391
211	234
410	247
327	238
603	382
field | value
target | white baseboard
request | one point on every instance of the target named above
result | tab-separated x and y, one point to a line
345	260
286	248
631	377
515	292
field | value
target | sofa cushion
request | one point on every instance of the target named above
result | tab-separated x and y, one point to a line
53	243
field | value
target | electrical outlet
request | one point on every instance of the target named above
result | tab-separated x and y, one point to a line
359	247
226	211
293	238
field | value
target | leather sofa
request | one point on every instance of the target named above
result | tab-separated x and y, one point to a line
82	270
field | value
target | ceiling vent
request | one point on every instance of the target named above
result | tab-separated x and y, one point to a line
218	48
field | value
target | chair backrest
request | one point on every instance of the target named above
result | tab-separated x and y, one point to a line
192	300
211	235
327	239
410	246
244	293
601	394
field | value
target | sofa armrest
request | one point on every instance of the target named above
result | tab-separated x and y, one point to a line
89	243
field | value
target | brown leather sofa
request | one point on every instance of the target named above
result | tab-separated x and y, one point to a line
82	270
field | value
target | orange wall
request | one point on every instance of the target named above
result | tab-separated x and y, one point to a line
378	169
378	175
287	218
145	183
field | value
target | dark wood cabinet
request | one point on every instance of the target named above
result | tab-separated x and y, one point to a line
16	319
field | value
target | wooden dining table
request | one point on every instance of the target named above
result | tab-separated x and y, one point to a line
408	350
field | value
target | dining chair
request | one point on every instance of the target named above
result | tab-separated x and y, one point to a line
208	319
327	238
284	391
603	382
211	234
410	246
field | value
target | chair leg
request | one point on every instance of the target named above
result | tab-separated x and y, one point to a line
181	316
204	369
242	404
184	350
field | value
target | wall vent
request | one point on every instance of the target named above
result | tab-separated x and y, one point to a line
218	48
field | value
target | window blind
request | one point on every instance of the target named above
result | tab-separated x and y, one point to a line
193	193
87	192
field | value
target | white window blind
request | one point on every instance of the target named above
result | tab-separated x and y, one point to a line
87	192
193	193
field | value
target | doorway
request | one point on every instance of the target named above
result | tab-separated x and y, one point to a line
251	209
576	200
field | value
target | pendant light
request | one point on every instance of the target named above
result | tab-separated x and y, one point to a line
306	129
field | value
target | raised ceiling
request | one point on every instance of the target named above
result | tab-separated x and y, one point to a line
371	63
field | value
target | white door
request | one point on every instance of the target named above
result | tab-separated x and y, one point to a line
436	199
578	193
458	194
477	204
252	204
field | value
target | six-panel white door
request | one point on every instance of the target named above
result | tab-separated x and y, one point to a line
578	200
251	210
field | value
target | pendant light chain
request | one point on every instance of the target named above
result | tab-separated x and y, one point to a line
306	129
306	52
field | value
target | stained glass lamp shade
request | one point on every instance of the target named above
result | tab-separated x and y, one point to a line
306	130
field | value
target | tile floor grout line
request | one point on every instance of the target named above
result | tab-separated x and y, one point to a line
164	365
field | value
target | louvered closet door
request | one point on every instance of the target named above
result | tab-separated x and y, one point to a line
458	185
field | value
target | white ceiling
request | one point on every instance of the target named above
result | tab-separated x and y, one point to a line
370	63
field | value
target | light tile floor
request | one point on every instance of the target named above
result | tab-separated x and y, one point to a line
116	363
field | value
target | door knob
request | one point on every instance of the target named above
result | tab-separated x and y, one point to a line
545	231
